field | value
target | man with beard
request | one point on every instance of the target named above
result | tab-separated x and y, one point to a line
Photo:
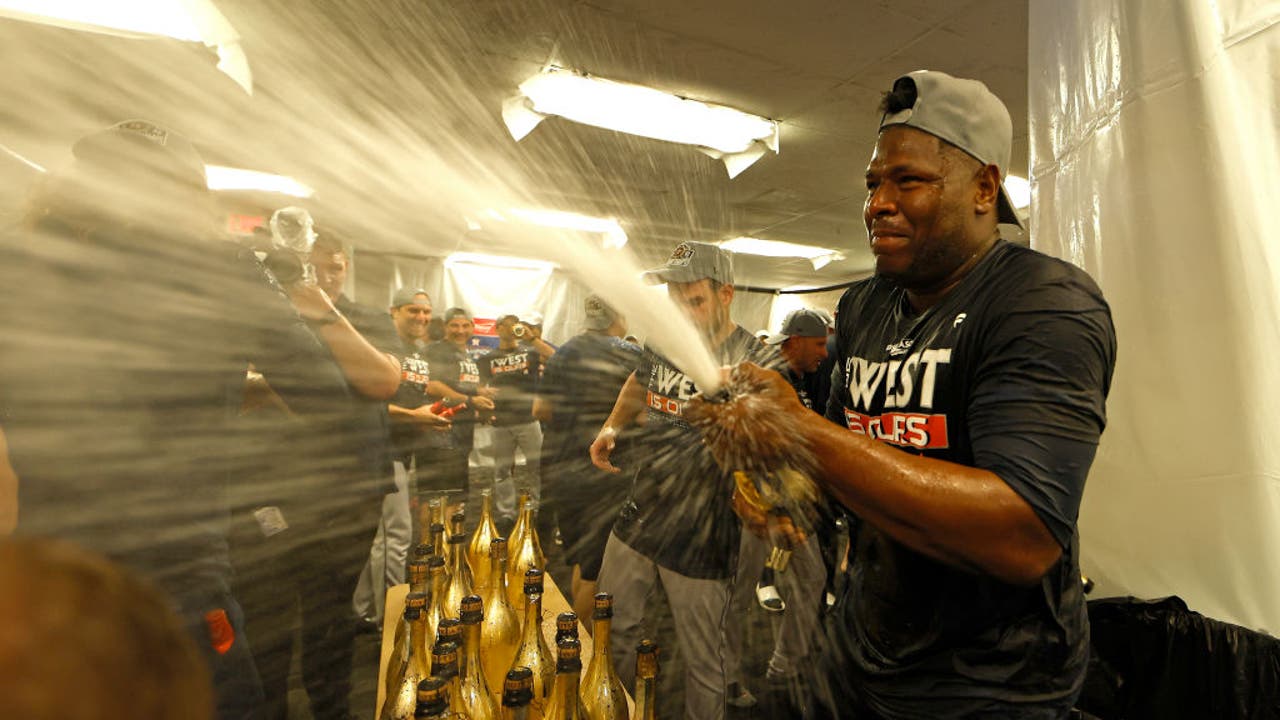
677	525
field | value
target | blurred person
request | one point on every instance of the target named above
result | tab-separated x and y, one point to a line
532	335
302	543
454	366
435	332
128	326
802	341
578	389
677	526
418	437
86	639
512	371
972	376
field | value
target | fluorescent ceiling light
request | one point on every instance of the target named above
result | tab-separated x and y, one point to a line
189	20
609	228
229	178
819	256
734	136
1019	191
501	261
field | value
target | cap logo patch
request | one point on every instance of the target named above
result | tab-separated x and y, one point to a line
681	255
146	130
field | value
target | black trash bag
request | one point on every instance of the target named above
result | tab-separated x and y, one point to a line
1157	659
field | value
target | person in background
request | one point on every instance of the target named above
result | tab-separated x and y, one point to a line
87	639
415	431
677	525
532	335
579	386
302	540
803	345
127	328
512	371
452	365
972	383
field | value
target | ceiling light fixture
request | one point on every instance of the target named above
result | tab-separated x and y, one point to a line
229	178
737	138
1019	191
189	20
820	257
501	261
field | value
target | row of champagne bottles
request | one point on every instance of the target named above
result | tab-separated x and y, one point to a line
473	611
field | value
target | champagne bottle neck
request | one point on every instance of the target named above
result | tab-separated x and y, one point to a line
645	700
533	616
600	639
471	638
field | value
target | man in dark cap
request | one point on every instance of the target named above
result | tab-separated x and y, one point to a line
971	388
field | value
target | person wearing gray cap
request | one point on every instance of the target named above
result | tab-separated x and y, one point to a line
677	525
971	382
579	385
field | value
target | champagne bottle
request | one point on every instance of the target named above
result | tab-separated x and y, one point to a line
435	602
646	680
459	572
419	575
444	665
517	694
500	635
565	704
533	652
481	544
476	697
450	631
433	700
423	550
566	626
524	556
602	693
403	676
438	544
401	645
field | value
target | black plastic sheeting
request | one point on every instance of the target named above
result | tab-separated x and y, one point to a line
1157	659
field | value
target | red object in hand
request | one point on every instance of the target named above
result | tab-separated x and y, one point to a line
442	409
221	635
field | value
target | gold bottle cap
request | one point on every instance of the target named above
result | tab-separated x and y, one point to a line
449	630
436	564
568	650
533	583
603	606
646	659
517	689
498	547
566	626
444	659
432	690
471	610
421	552
415	600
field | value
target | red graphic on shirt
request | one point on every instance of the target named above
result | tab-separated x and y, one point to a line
221	635
913	430
663	404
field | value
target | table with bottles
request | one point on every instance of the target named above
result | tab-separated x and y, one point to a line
484	616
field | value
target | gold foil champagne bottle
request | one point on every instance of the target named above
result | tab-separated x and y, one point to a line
419	575
525	555
433	700
403	677
482	543
476	697
450	631
438	545
435	601
500	634
517	694
565	704
401	645
444	665
533	652
459	574
566	626
602	695
646	681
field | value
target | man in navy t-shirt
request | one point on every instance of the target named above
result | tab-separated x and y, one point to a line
971	382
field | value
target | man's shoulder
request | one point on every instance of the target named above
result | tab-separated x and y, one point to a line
1025	280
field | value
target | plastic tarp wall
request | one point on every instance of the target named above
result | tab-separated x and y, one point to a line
1156	167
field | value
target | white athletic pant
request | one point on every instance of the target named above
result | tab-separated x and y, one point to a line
389	552
526	436
699	608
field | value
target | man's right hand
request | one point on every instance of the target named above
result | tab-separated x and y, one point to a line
602	449
424	418
482	402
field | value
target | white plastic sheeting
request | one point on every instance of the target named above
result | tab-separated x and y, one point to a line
1156	167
